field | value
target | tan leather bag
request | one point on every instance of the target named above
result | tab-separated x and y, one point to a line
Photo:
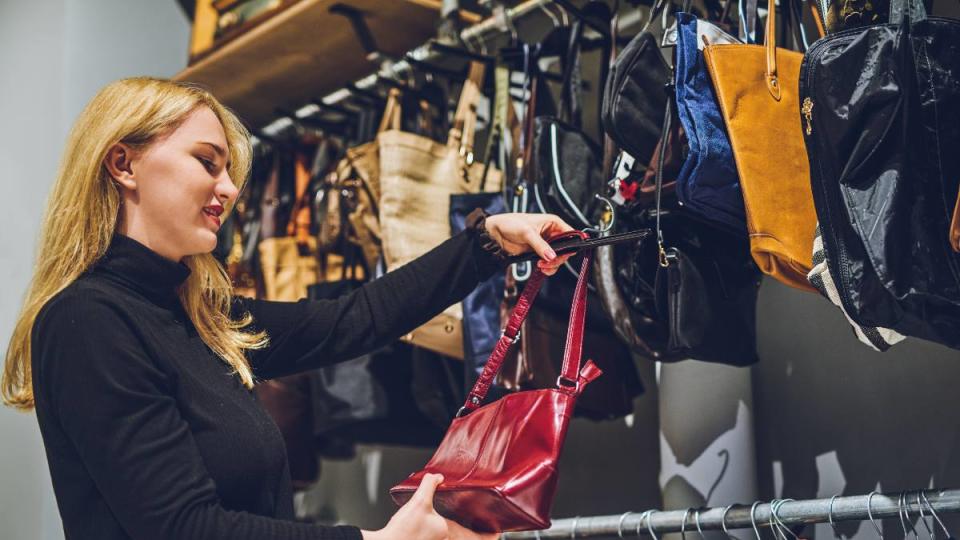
289	263
758	90
417	177
359	174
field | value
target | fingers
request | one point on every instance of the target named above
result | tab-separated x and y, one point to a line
553	225
550	268
539	245
428	486
459	532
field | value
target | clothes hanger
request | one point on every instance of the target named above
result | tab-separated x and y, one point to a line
696	520
903	512
833	526
648	514
620	524
753	519
683	524
935	516
923	520
870	513
781	526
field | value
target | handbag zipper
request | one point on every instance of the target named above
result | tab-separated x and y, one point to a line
820	193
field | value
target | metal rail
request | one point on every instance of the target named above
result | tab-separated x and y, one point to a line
874	507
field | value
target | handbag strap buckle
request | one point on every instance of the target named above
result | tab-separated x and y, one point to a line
514	340
563	382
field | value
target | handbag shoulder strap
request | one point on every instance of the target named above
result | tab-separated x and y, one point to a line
511	334
391	112
465	118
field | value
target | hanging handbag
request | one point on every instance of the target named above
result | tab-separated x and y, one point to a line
708	183
633	96
417	177
567	166
499	461
705	287
883	179
878	339
757	89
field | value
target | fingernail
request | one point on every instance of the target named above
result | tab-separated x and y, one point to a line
551	254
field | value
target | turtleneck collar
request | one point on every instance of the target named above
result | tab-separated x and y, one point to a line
142	269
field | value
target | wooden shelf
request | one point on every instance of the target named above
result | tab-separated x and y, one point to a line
306	52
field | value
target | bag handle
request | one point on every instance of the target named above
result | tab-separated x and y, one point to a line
511	334
391	112
462	131
770	43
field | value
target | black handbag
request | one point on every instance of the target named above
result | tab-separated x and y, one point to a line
567	165
633	96
879	108
697	282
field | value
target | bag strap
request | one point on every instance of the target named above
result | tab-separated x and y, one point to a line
391	112
661	156
464	126
511	334
770	44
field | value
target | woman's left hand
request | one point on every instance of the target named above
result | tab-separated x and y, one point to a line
520	233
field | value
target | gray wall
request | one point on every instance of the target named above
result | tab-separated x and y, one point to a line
54	55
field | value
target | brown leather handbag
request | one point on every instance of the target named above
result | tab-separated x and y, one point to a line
499	461
758	90
417	177
955	226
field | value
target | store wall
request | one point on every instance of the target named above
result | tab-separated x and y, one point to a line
834	416
54	55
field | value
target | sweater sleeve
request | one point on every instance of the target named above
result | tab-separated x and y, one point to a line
117	408
311	333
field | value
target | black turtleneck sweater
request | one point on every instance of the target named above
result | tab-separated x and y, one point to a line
147	433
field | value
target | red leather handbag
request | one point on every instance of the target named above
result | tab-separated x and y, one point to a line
499	461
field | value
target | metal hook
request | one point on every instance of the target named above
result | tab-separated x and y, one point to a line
753	519
648	514
775	529
935	516
833	525
775	512
696	520
923	520
870	513
723	522
903	512
683	524
620	524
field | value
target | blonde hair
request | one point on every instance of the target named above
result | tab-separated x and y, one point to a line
83	209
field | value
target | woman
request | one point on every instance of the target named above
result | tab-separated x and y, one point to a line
140	361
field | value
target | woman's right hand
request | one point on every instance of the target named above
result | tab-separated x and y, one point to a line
416	520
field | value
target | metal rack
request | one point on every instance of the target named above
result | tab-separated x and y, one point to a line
905	506
478	35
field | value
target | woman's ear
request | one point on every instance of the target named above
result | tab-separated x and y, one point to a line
119	164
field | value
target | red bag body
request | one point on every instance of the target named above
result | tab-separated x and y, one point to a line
499	462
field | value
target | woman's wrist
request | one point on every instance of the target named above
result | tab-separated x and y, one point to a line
476	224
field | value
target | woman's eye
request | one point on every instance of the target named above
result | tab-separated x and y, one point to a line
209	165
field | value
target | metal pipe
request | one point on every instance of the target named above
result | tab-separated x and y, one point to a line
853	508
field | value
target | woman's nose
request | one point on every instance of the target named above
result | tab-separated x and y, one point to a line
226	191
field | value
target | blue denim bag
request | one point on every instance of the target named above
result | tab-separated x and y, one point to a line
481	308
708	183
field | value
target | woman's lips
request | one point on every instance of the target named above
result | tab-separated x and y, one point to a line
213	212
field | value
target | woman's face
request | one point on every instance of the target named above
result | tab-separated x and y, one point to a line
175	190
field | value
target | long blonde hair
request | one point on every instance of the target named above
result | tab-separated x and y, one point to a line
83	209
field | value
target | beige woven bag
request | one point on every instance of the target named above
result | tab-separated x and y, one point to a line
417	177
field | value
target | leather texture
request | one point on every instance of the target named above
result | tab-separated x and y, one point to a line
417	177
499	460
633	96
708	183
884	180
955	226
755	82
